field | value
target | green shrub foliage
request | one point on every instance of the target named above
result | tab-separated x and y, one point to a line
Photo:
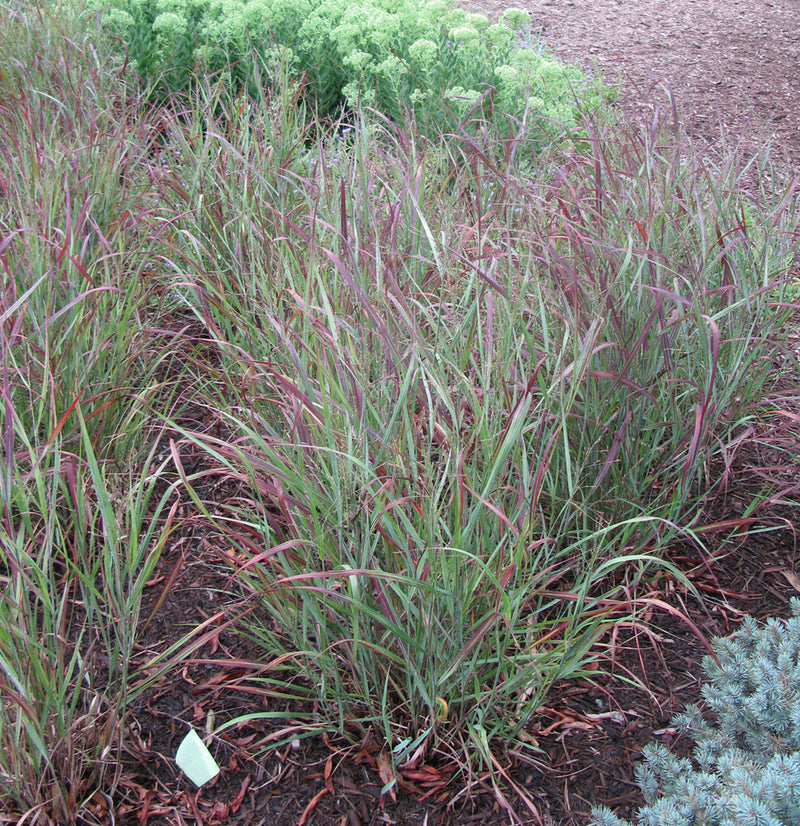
430	59
746	767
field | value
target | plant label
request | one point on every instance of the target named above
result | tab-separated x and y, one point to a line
195	760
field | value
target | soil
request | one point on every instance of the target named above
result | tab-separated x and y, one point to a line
733	66
734	69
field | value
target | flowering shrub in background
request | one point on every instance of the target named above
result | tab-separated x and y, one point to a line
429	59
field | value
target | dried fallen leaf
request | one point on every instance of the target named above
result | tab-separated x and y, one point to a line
792	578
220	813
424	774
311	806
386	774
237	801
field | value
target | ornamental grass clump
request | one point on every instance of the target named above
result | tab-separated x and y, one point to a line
745	769
465	405
80	530
430	58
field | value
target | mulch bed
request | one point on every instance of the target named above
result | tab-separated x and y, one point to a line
732	66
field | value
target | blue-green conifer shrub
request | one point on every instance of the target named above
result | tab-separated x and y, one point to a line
745	769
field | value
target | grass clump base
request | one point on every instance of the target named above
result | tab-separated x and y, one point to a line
746	762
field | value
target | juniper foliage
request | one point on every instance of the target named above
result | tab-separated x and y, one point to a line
746	766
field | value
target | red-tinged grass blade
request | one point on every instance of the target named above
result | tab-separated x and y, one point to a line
683	617
60	424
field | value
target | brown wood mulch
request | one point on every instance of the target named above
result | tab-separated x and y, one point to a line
732	65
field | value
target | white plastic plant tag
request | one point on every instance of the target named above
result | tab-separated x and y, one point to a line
195	759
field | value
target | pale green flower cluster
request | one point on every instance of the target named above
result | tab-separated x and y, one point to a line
461	99
423	53
169	27
464	34
478	21
516	18
499	36
118	20
507	75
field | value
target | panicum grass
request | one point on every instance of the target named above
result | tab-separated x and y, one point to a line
467	394
470	400
80	528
